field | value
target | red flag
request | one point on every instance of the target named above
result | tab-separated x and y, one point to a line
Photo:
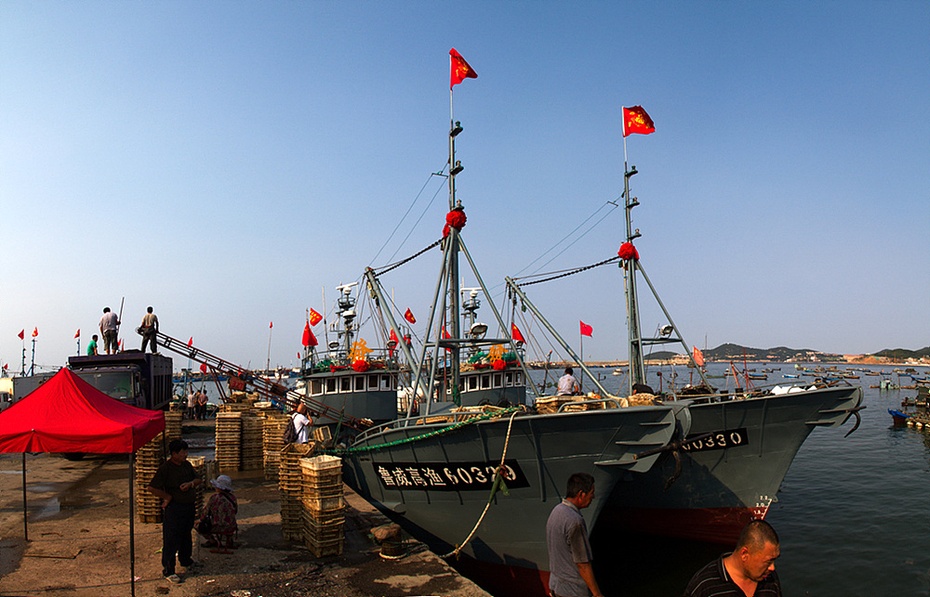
22	334
409	316
305	341
394	336
515	333
77	334
698	357
635	120
459	70
315	317
35	332
393	347
586	330
6	366
311	341
190	342
203	367
270	324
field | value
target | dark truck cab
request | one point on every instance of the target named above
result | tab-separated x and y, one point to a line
133	377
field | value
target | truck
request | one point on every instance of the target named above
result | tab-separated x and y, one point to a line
132	376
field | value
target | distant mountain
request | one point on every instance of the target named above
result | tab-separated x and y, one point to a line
783	354
900	354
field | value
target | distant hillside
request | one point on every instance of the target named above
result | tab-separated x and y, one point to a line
900	354
735	352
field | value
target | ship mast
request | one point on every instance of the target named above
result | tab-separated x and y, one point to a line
453	320
637	368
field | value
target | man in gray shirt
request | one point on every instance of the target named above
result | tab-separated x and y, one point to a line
109	324
570	571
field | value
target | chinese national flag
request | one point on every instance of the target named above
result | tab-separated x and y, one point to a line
393	347
190	342
315	317
77	334
515	333
306	337
203	367
635	120
459	70
586	330
698	357
408	315
394	336
35	332
22	334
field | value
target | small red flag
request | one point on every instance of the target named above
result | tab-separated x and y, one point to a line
6	366
203	367
270	324
311	341
22	334
635	120
459	70
315	317
408	315
586	330
698	357
35	332
191	341
515	333
77	334
305	341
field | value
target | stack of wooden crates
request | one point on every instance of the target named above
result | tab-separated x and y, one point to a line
323	509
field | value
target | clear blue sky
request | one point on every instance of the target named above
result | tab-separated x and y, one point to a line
226	161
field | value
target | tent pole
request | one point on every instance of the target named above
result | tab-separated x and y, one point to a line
132	533
25	523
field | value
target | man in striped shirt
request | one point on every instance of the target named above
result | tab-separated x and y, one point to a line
748	571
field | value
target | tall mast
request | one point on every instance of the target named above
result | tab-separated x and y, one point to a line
637	368
453	319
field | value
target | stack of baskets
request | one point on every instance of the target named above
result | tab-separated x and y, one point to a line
173	425
199	464
148	458
290	486
272	442
251	442
323	510
228	446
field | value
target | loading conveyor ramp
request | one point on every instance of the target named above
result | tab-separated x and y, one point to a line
241	378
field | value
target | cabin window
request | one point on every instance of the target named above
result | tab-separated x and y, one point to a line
359	383
508	378
331	386
518	378
386	382
473	382
345	384
372	382
498	380
485	382
316	387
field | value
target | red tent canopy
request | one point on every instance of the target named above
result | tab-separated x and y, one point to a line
67	414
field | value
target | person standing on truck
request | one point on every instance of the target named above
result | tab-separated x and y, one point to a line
108	326
92	346
148	329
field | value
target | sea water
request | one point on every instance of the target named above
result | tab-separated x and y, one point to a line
852	512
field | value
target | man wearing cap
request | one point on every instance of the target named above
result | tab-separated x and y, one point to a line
175	483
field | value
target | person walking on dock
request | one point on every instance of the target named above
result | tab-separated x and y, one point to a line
175	482
108	329
148	329
570	570
747	570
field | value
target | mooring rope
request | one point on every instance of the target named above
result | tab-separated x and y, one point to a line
495	486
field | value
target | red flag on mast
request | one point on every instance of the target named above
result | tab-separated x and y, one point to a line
203	367
635	120
270	324
35	332
305	341
515	333
586	330
311	341
698	357
408	315
190	342
77	334
315	317
22	334
459	70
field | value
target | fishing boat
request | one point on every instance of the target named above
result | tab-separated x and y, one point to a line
476	473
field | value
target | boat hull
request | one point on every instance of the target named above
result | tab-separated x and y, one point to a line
541	450
721	486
